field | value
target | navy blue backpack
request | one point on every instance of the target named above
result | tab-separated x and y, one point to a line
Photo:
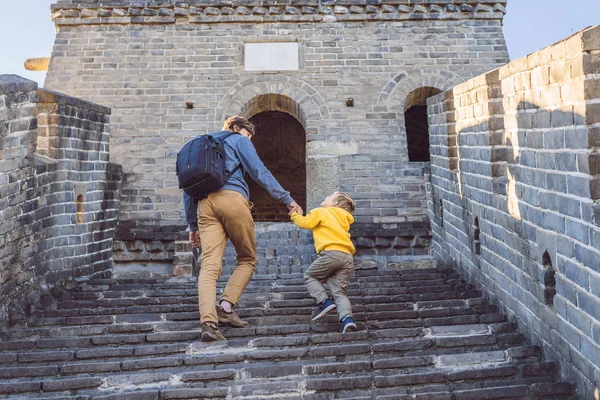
200	166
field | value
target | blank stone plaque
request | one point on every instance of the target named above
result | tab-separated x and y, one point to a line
278	56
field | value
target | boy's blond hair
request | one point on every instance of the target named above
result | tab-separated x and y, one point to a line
344	201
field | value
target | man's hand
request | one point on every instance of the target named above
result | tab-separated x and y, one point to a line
195	239
294	207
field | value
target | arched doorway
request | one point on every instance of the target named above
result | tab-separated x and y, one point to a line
417	126
280	142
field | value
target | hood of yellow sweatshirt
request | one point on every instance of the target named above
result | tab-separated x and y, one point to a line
342	216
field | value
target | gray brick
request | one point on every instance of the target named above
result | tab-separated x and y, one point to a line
576	274
152	363
561	118
46	356
91	367
71	384
591	351
587	257
578	231
568	206
596	333
143	395
20	372
19	387
554	222
578	186
590	304
554	140
576	139
566	161
208	375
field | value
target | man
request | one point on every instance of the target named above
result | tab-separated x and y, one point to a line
225	214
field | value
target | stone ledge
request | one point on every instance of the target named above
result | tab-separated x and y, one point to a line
48	96
127	230
130	12
15	83
391	230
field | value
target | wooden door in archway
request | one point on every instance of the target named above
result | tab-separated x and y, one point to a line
280	141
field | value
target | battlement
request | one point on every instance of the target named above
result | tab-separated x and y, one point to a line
95	12
515	194
59	195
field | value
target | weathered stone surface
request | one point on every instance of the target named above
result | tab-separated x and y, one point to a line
536	218
412	263
365	137
280	352
511	192
60	202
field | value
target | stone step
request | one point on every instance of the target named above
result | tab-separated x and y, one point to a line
258	307
538	391
511	389
268	279
400	287
255	375
280	300
256	282
422	334
267	322
145	344
395	353
129	359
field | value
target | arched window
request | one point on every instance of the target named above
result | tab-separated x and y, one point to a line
549	280
80	214
441	208
417	125
476	242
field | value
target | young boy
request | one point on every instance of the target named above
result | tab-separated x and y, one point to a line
330	224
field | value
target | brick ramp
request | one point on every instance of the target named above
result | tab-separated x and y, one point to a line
423	335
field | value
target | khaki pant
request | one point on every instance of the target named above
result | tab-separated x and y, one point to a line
335	268
224	215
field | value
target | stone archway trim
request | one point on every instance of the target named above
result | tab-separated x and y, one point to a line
394	93
312	106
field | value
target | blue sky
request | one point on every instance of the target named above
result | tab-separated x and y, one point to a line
27	31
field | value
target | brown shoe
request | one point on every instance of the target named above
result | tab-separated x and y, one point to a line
211	333
230	318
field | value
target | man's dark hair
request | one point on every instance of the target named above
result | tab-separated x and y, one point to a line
241	122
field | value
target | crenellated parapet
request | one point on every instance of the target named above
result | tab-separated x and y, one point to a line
73	12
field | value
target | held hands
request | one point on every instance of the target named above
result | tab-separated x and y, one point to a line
294	207
195	239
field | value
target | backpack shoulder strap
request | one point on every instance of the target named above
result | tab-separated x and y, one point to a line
225	136
234	171
222	140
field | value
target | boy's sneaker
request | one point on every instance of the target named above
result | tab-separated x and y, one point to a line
230	318
210	333
324	308
348	325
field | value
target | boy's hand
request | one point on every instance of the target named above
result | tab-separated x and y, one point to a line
195	239
294	207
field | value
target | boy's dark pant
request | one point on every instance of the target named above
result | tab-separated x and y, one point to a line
334	267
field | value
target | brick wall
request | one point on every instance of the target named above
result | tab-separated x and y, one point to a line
146	60
514	195
59	195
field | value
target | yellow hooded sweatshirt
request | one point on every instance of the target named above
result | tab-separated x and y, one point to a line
330	227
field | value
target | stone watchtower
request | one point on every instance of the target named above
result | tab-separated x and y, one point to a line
337	90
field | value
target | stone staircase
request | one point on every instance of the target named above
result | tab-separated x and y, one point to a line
423	334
